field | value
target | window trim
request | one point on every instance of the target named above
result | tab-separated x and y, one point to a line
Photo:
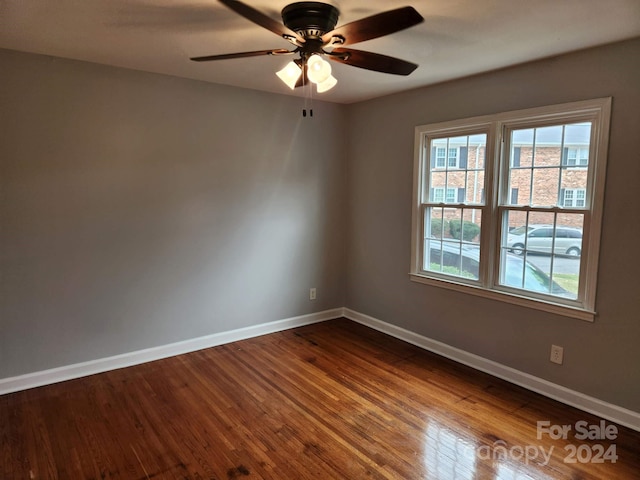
599	112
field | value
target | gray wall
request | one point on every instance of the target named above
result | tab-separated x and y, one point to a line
601	359
139	210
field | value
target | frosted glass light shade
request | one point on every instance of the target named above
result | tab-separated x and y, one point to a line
318	70
290	74
328	84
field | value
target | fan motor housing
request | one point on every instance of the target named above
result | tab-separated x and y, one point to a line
310	19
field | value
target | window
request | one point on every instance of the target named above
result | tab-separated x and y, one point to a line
452	195
573	197
452	245
576	157
503	216
446	156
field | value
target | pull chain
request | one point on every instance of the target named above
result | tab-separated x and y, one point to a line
308	95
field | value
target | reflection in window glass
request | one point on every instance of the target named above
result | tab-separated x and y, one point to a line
519	471
540	252
452	241
447	455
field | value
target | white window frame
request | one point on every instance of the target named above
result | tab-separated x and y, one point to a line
597	111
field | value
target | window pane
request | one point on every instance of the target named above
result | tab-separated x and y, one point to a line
522	140
452	157
441	157
463	224
540	252
456	178
438	179
564	267
434	226
520	180
547	166
548	143
545	187
452	244
451	195
574	184
477	152
452	258
439	153
515	221
475	187
569	234
456	173
576	141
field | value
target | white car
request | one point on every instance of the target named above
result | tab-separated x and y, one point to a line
541	239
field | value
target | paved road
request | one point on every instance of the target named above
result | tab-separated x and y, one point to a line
560	264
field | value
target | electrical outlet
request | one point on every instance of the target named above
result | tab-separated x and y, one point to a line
312	293
556	354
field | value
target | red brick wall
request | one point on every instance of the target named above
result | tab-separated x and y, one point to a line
547	182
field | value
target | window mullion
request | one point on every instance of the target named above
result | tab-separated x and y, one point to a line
490	217
533	166
561	200
466	173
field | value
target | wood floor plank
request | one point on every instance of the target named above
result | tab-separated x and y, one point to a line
333	400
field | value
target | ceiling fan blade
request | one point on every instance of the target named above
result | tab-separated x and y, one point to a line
227	56
372	61
263	20
375	26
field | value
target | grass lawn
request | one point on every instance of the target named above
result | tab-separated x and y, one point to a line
436	267
568	281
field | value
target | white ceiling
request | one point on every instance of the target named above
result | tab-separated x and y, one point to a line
457	38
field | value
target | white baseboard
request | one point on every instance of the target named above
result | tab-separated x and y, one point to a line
565	395
69	372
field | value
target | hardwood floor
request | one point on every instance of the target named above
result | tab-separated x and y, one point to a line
334	400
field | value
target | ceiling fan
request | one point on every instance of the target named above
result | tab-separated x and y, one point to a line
311	27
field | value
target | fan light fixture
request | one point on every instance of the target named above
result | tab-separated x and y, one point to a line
328	84
318	72
290	74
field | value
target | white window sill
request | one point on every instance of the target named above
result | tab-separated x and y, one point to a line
508	297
